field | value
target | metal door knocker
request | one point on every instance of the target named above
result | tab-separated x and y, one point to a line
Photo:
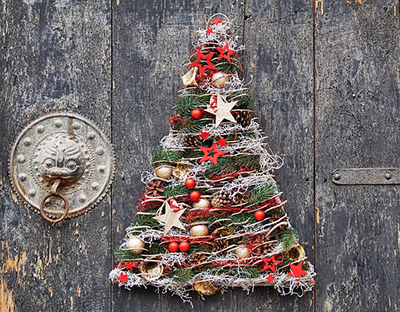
61	165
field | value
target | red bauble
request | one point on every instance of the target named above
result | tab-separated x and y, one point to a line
184	246
173	247
195	196
190	183
259	215
197	113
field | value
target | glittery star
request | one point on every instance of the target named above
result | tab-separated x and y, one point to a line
200	57
270	263
221	142
170	218
123	278
223	110
216	21
214	150
204	134
225	52
270	278
209	30
297	270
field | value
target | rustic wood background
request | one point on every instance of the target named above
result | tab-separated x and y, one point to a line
327	84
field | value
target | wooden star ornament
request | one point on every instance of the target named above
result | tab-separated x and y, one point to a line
222	111
170	218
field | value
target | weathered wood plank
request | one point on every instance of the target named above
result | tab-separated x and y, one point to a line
357	61
278	36
55	56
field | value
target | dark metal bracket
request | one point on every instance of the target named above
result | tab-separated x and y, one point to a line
357	176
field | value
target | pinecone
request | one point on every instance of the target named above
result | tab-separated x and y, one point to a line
154	188
219	244
196	259
220	199
192	140
244	118
263	246
239	199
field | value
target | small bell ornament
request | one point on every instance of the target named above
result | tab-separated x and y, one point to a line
189	79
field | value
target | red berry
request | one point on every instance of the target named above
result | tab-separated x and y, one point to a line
197	113
190	183
173	247
195	196
184	246
259	215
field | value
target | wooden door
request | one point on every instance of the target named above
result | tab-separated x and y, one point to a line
327	84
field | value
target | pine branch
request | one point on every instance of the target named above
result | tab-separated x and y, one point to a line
187	103
227	165
262	193
164	157
175	191
289	238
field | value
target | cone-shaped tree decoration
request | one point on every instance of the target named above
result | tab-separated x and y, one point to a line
212	216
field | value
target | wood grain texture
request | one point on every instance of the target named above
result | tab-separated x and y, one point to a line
55	56
357	62
279	58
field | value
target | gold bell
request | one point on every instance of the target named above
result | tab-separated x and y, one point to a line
189	79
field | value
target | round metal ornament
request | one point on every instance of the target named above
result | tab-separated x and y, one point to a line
61	165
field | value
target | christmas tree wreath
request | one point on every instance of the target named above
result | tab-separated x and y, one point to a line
211	215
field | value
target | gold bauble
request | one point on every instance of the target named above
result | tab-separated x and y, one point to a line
163	172
242	252
204	287
135	244
219	79
151	268
189	79
199	230
182	170
203	203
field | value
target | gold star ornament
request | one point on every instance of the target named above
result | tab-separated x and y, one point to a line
170	218
222	111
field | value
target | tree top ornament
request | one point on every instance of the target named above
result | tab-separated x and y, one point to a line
211	216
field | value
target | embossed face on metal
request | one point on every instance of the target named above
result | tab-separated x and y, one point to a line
61	165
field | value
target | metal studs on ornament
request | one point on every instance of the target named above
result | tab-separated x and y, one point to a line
61	165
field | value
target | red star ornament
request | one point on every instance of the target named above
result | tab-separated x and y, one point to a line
270	278
216	21
209	30
297	270
132	265
123	278
204	134
270	263
207	58
215	151
221	142
225	52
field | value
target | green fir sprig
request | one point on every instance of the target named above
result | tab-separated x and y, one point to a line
262	193
164	157
288	238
